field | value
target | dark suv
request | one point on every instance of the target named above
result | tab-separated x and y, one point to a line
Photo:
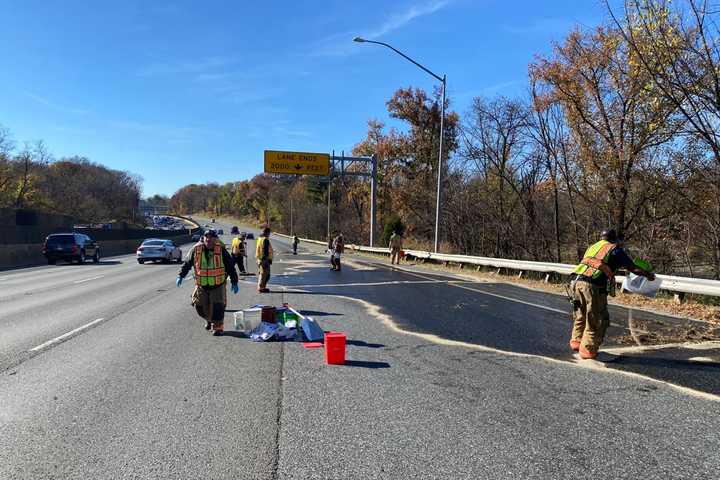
70	246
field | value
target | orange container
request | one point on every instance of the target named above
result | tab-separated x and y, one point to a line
335	348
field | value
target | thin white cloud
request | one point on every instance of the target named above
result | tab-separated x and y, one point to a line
398	21
340	44
55	106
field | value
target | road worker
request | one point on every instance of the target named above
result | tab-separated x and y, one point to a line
338	249
591	280
212	265
331	251
295	242
264	257
238	249
395	245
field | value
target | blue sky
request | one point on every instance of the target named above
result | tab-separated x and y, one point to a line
189	91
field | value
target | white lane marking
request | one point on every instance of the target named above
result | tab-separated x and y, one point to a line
703	360
370	284
65	335
88	279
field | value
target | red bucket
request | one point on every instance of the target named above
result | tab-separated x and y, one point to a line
335	348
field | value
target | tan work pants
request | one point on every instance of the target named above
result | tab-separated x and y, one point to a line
395	256
263	274
210	304
591	319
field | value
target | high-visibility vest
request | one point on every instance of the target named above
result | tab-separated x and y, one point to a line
595	261
238	246
259	249
209	272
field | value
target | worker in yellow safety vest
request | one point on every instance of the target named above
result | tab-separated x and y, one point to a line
238	250
591	280
264	257
212	264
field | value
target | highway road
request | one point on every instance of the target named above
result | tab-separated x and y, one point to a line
106	372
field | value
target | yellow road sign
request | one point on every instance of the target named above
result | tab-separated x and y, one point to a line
298	163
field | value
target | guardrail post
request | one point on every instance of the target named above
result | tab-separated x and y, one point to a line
679	297
547	278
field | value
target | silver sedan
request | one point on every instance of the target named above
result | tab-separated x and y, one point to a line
158	250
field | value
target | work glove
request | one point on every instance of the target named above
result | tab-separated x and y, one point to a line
178	282
235	288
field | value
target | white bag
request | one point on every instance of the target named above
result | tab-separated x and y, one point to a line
264	332
641	285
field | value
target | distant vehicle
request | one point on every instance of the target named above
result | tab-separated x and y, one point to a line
195	237
71	247
158	250
249	236
234	230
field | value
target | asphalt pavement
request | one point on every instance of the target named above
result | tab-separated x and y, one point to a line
106	372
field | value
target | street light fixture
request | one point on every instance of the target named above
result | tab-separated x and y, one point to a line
443	81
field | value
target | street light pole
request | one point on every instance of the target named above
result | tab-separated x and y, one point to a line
443	81
440	158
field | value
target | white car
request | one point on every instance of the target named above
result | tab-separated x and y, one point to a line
158	250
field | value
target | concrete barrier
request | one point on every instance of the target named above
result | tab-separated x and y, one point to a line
30	254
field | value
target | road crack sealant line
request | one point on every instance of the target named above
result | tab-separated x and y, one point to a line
376	312
274	470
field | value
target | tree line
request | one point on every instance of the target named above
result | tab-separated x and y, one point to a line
31	178
616	129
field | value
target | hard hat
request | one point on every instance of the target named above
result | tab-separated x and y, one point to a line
609	235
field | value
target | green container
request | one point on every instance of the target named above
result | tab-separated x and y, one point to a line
283	316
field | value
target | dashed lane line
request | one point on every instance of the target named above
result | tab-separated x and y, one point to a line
65	336
88	279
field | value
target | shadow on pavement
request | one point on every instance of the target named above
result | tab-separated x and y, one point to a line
230	333
313	313
360	343
366	364
702	376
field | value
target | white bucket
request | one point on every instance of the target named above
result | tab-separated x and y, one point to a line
248	319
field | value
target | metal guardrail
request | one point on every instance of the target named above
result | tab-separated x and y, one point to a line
669	283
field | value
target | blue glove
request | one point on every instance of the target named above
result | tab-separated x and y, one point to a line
178	282
235	288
